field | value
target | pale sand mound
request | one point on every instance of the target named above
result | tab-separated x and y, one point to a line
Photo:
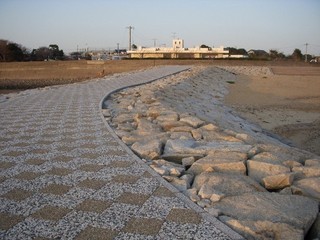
283	104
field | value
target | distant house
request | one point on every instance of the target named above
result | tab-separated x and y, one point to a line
315	59
258	54
179	51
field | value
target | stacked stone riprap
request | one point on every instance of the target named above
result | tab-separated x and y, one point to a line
255	184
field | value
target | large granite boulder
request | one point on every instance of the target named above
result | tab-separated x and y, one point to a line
225	184
200	147
167	125
279	181
306	171
192	121
307	187
168	116
148	149
226	164
263	230
123	118
135	136
146	127
312	162
297	211
314	232
259	170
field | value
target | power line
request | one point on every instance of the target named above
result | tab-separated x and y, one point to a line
154	42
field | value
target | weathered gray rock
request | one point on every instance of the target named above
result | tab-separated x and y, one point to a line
259	170
181	184
195	147
187	162
297	211
182	129
312	162
172	169
210	127
282	153
286	191
307	187
181	135
244	137
206	191
192	121
121	133
226	146
126	127
262	230
183	147
226	184
306	172
160	170
279	181
254	151
168	117
213	211
205	163
123	118
221	161
314	232
147	96
211	136
106	113
155	111
204	203
146	127
135	136
148	149
177	157
192	193
267	157
291	164
197	134
188	178
166	126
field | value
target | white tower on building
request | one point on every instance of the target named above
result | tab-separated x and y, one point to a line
177	44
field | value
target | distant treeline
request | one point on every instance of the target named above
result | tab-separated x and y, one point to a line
271	55
13	52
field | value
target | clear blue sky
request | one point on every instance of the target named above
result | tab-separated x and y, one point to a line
251	24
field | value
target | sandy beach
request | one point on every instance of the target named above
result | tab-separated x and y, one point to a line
285	104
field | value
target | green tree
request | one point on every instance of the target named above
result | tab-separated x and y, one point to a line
275	55
11	52
3	49
204	46
235	51
55	52
15	53
134	47
41	54
297	55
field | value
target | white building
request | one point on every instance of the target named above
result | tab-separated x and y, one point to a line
179	51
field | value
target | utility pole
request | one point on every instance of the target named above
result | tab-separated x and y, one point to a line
118	49
130	29
154	42
306	56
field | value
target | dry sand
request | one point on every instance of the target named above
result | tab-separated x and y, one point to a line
285	104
